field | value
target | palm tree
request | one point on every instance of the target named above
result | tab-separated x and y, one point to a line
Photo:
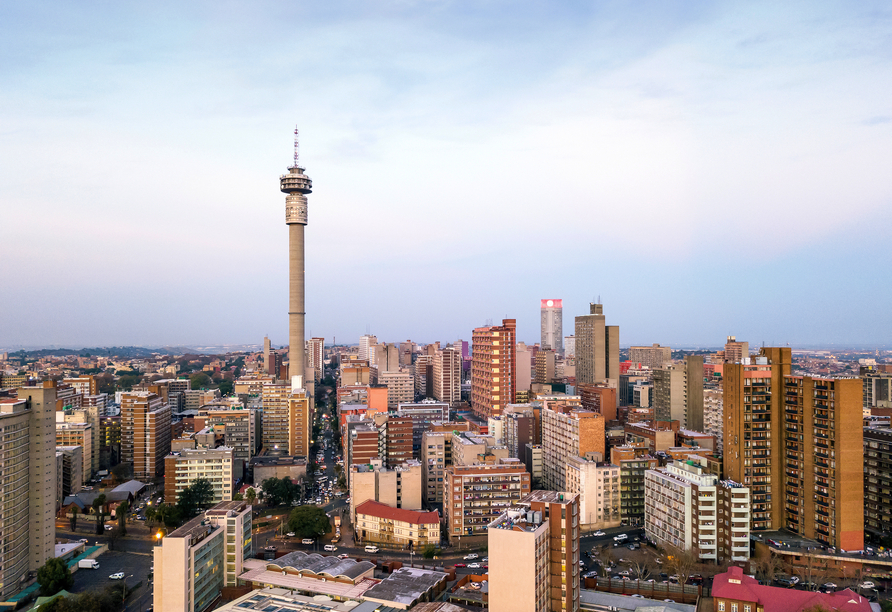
99	508
251	495
73	517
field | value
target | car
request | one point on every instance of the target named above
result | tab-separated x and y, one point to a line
620	537
471	557
637	596
307	541
484	560
330	548
828	587
343	556
82	541
473	566
459	565
598	533
108	527
117	576
669	600
290	534
867	584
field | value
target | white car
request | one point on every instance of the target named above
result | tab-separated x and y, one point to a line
471	557
330	548
117	576
290	534
307	541
637	596
867	584
108	527
599	533
473	566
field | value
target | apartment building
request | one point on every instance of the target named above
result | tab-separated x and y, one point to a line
287	420
240	431
568	432
436	455
447	376
533	552
109	441
544	372
633	462
315	357
378	523
533	460
713	413
423	415
493	372
815	425
183	468
652	357
145	433
72	472
520	426
597	348
194	563
475	494
690	509
600	398
400	387
736	351
598	485
424	375
877	479
398	487
471	448
28	479
76	434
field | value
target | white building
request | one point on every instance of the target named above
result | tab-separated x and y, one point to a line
598	486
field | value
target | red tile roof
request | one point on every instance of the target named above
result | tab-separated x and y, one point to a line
733	584
373	508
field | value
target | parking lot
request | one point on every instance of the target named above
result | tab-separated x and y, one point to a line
135	567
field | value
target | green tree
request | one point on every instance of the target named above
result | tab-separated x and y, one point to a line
53	577
99	510
430	551
125	383
308	522
225	387
251	495
122	471
150	514
196	497
200	380
73	518
121	513
238	497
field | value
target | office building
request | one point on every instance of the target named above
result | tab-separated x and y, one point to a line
815	425
652	357
474	494
493	375
687	508
520	426
877	390
145	433
28	480
736	352
597	348
552	315
424	375
600	398
364	343
523	368
598	485
678	393
195	562
544	367
447	376
287	420
570	347
183	468
384	525
533	552
568	432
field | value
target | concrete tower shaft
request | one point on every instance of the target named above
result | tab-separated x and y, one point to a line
296	184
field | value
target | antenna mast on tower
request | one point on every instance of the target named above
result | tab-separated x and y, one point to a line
296	148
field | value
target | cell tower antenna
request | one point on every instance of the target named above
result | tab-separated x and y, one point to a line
296	148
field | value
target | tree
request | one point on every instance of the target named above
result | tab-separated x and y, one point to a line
200	380
682	563
604	556
225	387
641	567
122	471
197	496
250	495
73	518
121	513
150	514
54	576
308	522
238	497
430	551
99	509
766	568
113	536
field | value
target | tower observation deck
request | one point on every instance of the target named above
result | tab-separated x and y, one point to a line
296	185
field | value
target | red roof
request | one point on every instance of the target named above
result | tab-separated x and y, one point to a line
373	508
733	584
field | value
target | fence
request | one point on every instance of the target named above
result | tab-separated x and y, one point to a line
652	590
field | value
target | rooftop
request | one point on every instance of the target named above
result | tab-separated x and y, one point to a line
548	497
733	584
197	529
226	507
406	585
284	600
416	517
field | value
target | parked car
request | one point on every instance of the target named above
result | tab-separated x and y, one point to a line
598	533
290	534
108	527
330	548
117	576
473	566
372	549
471	556
307	541
867	584
622	537
459	565
343	556
828	587
787	581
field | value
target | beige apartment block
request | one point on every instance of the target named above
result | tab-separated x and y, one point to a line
239	431
76	434
195	562
447	376
424	375
92	414
474	494
568	432
436	455
378	523
472	449
597	348
287	420
399	487
400	387
72	474
145	433
713	411
183	468
28	479
598	486
651	357
533	550
315	356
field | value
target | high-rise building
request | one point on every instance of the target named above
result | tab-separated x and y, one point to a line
651	357
400	387
713	413
877	388
239	432
568	432
533	549
736	352
315	356
183	468
77	434
72	470
600	398
877	479
633	462
447	376
598	486
678	392
552	314
520	426
690	509
493	374
399	486
815	425
544	367
287	420
364	343
570	346
145	433
297	185
597	348
28	476
523	366
195	562
424	375
474	493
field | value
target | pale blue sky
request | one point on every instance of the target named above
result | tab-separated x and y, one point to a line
706	168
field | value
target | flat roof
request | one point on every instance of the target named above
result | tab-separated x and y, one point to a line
226	507
406	585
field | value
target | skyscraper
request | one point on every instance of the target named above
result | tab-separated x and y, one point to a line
297	185
597	348
315	353
552	325
493	373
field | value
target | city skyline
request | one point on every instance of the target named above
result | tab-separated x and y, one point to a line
707	171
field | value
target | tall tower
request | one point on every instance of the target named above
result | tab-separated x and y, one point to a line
552	325
297	185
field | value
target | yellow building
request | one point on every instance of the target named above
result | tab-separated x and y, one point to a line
378	523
